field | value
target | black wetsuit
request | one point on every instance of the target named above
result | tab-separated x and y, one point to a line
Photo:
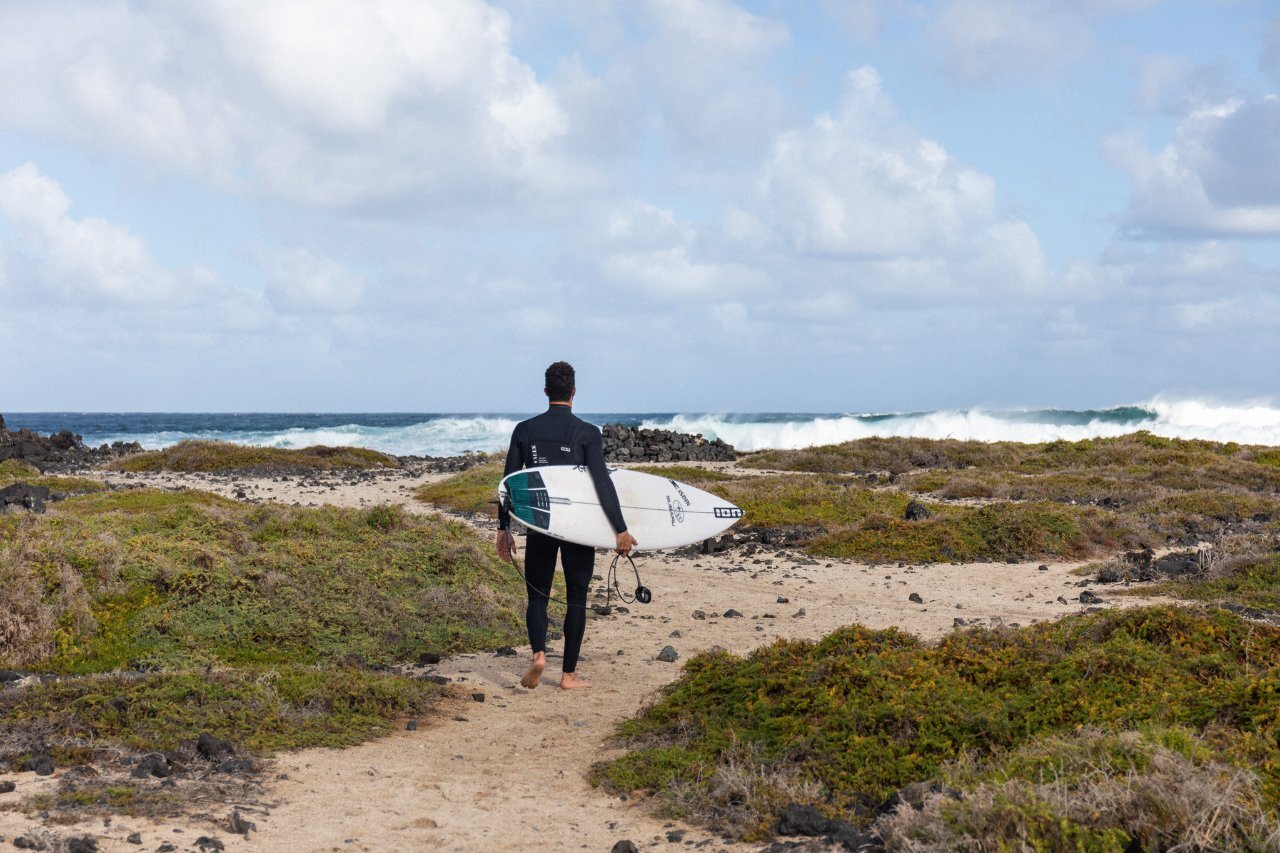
559	437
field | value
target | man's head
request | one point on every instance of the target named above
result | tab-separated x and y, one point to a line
560	385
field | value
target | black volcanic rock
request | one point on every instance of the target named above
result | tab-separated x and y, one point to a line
41	765
797	819
61	450
916	511
214	748
628	444
153	764
24	495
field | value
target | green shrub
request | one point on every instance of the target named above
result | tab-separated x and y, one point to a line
208	456
179	579
16	469
475	490
861	713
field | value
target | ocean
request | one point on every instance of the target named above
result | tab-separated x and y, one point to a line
451	434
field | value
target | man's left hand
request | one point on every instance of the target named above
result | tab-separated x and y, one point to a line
625	543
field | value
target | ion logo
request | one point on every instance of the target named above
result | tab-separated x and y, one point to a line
728	512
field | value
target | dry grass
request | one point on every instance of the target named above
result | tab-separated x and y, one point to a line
1093	790
742	788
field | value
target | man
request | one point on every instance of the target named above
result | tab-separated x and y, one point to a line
559	437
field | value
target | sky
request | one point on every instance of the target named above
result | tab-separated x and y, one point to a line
823	206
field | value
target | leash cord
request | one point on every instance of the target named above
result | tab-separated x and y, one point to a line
642	593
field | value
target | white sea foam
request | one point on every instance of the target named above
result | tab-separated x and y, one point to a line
1256	422
444	436
438	437
448	435
1247	423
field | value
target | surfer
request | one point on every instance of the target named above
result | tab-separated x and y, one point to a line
559	437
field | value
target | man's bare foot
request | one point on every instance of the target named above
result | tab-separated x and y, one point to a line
573	681
533	675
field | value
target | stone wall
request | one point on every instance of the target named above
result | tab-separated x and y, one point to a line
628	444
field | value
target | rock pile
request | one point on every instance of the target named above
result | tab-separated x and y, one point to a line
24	495
1144	565
627	444
63	450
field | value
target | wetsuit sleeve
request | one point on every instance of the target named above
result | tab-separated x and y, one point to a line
515	462
604	485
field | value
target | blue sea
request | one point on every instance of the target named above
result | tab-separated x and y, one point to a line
449	434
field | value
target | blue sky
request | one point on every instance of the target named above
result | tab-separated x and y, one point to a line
872	205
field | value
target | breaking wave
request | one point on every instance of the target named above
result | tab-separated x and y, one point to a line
452	434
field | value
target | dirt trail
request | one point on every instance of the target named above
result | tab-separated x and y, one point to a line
510	772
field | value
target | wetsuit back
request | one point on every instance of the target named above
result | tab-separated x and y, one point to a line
559	437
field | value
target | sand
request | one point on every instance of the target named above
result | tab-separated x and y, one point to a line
509	772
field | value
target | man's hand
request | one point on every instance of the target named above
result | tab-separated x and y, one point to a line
625	543
505	542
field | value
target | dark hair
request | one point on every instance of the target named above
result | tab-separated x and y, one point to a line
560	385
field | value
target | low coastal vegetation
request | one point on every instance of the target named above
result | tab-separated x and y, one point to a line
1239	572
1136	729
213	456
16	471
151	616
1138	452
1060	500
474	491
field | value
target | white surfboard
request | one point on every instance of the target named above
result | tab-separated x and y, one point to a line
561	501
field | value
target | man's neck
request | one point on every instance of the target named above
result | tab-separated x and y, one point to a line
561	403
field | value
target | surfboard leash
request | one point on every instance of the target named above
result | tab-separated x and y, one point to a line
642	593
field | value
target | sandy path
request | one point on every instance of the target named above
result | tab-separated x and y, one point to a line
510	771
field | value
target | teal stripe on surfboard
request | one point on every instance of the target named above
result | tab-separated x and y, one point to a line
529	500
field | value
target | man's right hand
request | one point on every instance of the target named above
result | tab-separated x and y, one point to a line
625	543
505	542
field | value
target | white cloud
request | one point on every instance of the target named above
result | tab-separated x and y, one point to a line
671	274
1174	85
1220	174
718	27
852	211
82	258
325	102
858	183
300	282
896	215
705	68
94	279
646	224
1165	295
